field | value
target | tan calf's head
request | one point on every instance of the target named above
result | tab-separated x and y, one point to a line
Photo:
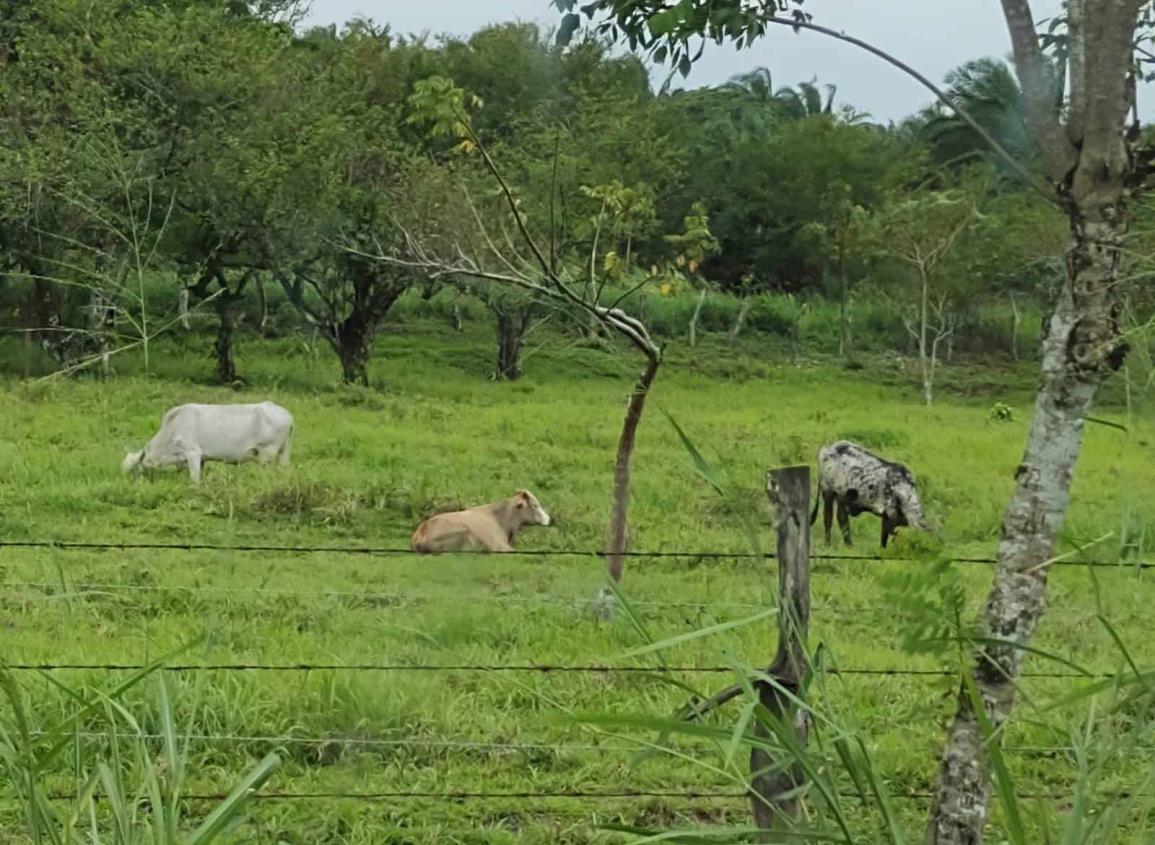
529	509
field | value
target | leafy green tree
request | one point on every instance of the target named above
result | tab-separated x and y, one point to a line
1013	256
921	232
693	245
808	174
988	91
345	167
83	167
806	100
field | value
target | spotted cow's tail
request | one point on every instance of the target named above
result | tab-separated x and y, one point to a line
817	498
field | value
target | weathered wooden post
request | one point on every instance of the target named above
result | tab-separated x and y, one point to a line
774	784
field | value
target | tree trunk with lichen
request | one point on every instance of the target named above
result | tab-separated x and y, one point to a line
1082	348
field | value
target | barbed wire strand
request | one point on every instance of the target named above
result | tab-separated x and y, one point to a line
543	668
574	794
390	551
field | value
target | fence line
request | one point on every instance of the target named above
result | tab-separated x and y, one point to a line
542	668
62	590
394	551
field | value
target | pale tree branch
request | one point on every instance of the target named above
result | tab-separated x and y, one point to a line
594	285
1108	44
506	192
1077	63
1037	81
436	267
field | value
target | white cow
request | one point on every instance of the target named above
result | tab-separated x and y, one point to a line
190	434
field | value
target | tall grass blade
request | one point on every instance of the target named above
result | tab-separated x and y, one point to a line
115	801
699	633
882	797
1114	634
701	466
1004	783
227	813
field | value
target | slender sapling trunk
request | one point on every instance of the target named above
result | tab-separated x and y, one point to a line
694	319
621	504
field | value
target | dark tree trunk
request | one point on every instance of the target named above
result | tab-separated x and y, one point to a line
223	346
354	345
510	328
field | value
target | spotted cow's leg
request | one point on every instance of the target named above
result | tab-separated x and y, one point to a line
827	513
844	522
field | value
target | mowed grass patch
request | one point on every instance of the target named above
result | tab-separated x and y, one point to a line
435	434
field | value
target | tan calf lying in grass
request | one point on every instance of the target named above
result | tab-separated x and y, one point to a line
490	527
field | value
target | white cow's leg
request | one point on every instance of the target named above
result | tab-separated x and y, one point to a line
286	450
194	465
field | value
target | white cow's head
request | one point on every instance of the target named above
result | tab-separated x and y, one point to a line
529	509
133	462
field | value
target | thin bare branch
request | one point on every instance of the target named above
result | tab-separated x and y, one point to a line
593	271
632	291
507	192
553	202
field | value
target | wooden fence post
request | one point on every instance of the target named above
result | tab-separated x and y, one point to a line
774	785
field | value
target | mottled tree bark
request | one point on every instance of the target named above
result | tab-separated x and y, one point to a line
1092	165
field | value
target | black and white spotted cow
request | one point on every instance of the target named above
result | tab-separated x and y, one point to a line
861	482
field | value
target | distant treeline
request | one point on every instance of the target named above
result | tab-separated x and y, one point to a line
164	164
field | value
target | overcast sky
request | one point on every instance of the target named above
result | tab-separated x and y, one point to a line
933	36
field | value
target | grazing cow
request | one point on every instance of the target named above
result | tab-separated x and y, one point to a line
861	482
491	527
191	434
